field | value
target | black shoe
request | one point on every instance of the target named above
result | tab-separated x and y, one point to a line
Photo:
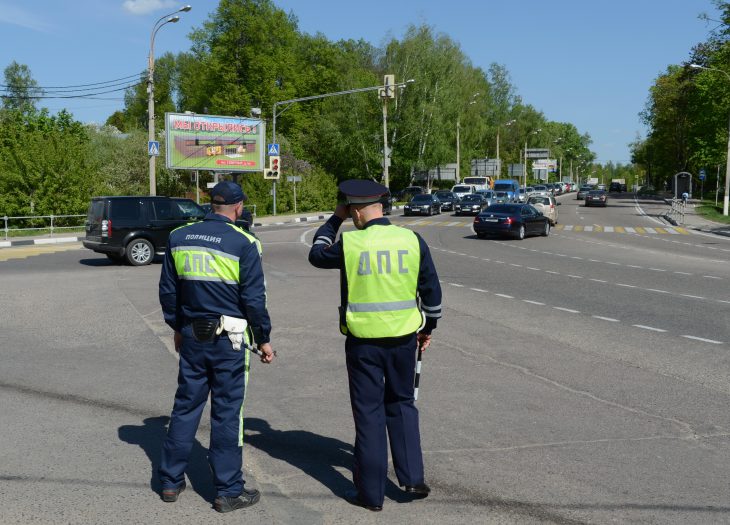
418	491
353	498
170	495
229	503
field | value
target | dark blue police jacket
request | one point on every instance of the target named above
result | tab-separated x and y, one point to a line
183	300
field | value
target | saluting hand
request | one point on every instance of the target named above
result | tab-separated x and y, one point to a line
267	354
342	211
424	341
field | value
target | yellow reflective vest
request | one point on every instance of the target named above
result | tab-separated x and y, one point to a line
381	265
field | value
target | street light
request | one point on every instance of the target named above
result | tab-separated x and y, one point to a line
458	140
288	103
169	18
726	196
499	162
524	171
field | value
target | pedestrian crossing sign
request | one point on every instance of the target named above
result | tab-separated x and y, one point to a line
153	148
273	150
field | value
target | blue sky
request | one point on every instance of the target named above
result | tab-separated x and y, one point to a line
588	62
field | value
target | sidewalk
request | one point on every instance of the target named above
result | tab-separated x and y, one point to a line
694	221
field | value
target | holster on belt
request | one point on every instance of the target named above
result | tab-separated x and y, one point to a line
235	327
205	329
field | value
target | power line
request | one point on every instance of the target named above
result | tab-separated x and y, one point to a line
137	75
86	95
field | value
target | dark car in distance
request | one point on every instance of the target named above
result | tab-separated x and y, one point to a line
511	220
135	229
471	204
424	204
596	198
583	191
448	199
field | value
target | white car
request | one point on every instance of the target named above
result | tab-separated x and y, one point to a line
463	189
547	205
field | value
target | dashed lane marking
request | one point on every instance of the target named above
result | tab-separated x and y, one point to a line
703	339
644	327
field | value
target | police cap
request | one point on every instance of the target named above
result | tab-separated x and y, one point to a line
227	192
359	191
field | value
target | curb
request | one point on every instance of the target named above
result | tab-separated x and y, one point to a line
31	242
309	218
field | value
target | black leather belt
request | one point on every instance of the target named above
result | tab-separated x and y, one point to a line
204	329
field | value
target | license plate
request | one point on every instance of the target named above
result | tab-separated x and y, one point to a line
490	220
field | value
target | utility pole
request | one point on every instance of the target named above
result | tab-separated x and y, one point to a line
458	150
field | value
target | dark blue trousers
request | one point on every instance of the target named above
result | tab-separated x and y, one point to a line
381	374
208	368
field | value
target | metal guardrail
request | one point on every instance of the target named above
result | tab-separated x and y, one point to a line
677	210
32	223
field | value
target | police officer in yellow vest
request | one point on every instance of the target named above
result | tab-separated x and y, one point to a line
213	295
391	299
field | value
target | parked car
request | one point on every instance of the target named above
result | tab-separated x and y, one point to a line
583	191
135	228
597	198
471	204
548	206
424	204
515	220
246	220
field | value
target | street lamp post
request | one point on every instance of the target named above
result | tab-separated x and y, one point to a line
499	161
287	104
726	196
168	19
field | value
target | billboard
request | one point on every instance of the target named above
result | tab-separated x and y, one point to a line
215	143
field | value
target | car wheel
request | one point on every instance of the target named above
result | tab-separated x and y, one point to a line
430	212
140	252
546	229
521	232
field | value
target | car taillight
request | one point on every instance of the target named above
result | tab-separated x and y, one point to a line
106	228
508	220
476	219
552	206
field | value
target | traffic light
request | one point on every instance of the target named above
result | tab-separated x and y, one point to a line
273	171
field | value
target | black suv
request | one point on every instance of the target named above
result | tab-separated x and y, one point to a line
136	228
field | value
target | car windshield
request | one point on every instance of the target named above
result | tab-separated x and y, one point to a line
444	195
462	189
540	188
422	198
586	188
539	200
488	194
472	197
503	208
501	194
596	192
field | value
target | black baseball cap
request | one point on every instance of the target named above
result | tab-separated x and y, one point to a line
361	191
227	192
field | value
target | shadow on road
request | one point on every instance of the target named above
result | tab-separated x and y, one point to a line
149	437
315	455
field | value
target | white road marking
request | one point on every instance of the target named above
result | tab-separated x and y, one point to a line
648	328
608	229
566	310
629	229
626	285
657	291
683	273
721	301
634	266
516	265
576	257
504	295
611	319
599	280
457	285
499	262
711	277
552	272
575	276
649	230
703	339
486	260
533	302
657	270
479	290
587	228
531	268
568	228
613	263
691	296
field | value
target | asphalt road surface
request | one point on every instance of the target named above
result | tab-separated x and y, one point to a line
578	378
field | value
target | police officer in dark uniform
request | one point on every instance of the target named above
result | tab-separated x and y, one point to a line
212	273
385	271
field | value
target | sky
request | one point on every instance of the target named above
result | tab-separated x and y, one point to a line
587	62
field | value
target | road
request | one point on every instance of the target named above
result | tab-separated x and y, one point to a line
578	378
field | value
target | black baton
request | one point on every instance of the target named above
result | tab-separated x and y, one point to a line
418	374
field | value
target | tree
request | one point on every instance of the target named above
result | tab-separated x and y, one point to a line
21	90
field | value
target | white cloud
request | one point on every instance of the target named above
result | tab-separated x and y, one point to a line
14	15
142	7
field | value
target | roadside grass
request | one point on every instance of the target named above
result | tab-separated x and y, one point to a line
42	232
709	211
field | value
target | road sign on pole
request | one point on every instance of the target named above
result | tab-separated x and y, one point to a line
153	148
272	149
